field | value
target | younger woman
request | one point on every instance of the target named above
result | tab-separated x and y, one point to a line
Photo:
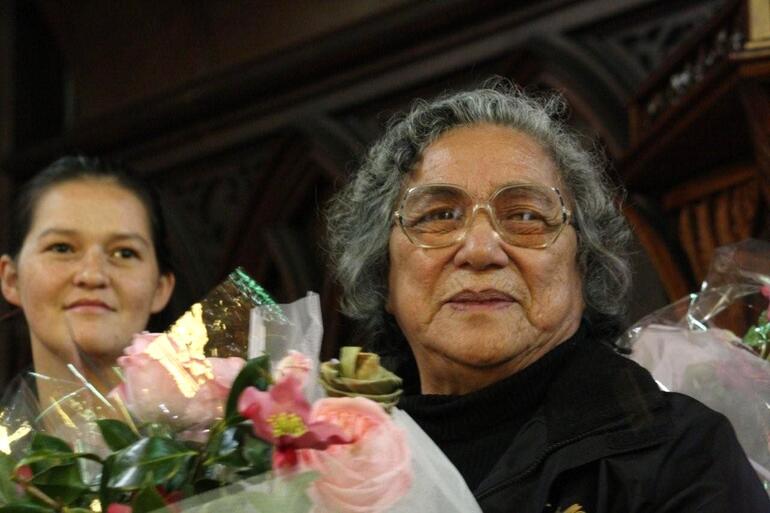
86	265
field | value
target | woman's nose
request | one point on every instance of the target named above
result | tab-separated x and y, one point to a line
481	248
92	271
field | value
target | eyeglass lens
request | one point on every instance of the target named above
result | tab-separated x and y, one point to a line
525	215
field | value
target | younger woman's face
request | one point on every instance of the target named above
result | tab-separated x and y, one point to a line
87	270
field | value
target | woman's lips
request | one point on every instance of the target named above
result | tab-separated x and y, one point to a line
89	306
468	300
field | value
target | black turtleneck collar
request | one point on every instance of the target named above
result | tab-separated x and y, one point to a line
472	428
481	411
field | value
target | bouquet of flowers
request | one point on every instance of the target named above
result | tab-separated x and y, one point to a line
714	345
192	425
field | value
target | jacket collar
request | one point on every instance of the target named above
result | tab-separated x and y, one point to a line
595	388
597	394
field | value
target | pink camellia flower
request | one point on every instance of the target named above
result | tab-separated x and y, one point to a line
164	381
281	416
294	364
368	475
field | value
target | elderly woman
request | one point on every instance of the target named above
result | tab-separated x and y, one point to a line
480	241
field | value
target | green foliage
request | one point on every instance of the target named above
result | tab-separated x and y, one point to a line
148	461
117	435
258	455
7	487
24	507
758	336
256	373
55	469
148	499
64	484
109	495
236	447
43	442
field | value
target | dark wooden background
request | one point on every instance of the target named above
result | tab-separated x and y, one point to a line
247	115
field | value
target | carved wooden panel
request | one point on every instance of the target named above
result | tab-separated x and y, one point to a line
694	75
641	41
721	209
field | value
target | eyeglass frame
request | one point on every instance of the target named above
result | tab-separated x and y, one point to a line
486	205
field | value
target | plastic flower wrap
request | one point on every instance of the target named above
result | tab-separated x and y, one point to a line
224	412
713	345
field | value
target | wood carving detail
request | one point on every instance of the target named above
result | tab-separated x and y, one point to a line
693	65
716	212
643	44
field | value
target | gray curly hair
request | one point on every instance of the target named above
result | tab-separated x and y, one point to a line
360	216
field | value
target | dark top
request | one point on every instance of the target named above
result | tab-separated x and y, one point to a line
484	422
585	429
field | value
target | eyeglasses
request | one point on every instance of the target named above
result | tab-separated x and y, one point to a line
524	215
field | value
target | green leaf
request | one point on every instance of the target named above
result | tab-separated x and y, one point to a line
7	486
223	447
148	461
256	373
43	442
42	461
25	507
63	484
258	454
118	435
109	495
148	499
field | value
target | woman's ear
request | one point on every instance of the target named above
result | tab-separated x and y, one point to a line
166	283
9	279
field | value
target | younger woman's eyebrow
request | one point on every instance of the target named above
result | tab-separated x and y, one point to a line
68	232
131	236
57	231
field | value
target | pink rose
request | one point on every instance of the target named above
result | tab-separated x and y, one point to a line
163	381
368	475
294	364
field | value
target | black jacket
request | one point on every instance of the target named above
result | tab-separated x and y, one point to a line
606	439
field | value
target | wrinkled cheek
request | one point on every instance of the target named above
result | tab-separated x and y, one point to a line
557	305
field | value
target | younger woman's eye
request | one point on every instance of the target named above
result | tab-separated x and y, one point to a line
60	247
125	253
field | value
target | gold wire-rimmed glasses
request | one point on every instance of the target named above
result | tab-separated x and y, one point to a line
523	214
